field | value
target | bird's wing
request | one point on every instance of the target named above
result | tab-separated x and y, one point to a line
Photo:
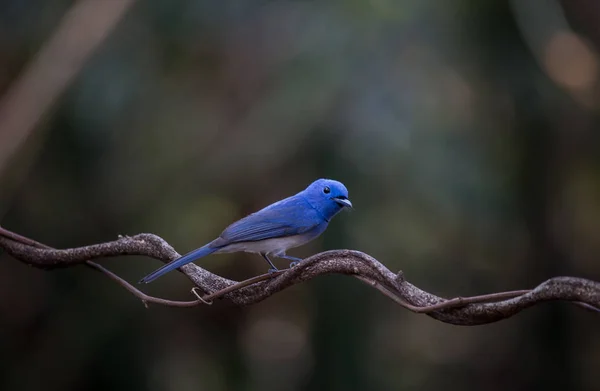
288	217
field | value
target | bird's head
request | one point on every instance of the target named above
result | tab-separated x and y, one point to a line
328	196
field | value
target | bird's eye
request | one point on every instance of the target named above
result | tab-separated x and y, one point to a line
326	190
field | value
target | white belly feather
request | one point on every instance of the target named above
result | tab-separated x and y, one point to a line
275	246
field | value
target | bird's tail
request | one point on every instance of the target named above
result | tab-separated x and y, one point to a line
177	263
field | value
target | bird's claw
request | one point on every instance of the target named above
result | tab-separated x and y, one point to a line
295	263
273	270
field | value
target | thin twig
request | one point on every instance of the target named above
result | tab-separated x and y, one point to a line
449	303
139	294
242	284
21	239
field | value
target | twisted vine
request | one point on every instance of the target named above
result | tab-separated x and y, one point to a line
466	311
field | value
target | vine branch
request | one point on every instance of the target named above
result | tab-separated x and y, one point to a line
465	311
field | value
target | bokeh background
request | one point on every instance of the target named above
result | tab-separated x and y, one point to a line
465	130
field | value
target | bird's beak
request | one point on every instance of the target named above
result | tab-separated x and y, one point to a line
343	201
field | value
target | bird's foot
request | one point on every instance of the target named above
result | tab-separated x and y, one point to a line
295	263
273	270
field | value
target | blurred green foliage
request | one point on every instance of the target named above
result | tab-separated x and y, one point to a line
465	131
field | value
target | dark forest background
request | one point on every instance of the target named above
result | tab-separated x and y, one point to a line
466	132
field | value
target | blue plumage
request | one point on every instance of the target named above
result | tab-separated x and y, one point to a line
273	230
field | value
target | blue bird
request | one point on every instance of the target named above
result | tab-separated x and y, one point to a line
273	230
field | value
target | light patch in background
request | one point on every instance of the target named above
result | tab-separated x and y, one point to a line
570	61
563	55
